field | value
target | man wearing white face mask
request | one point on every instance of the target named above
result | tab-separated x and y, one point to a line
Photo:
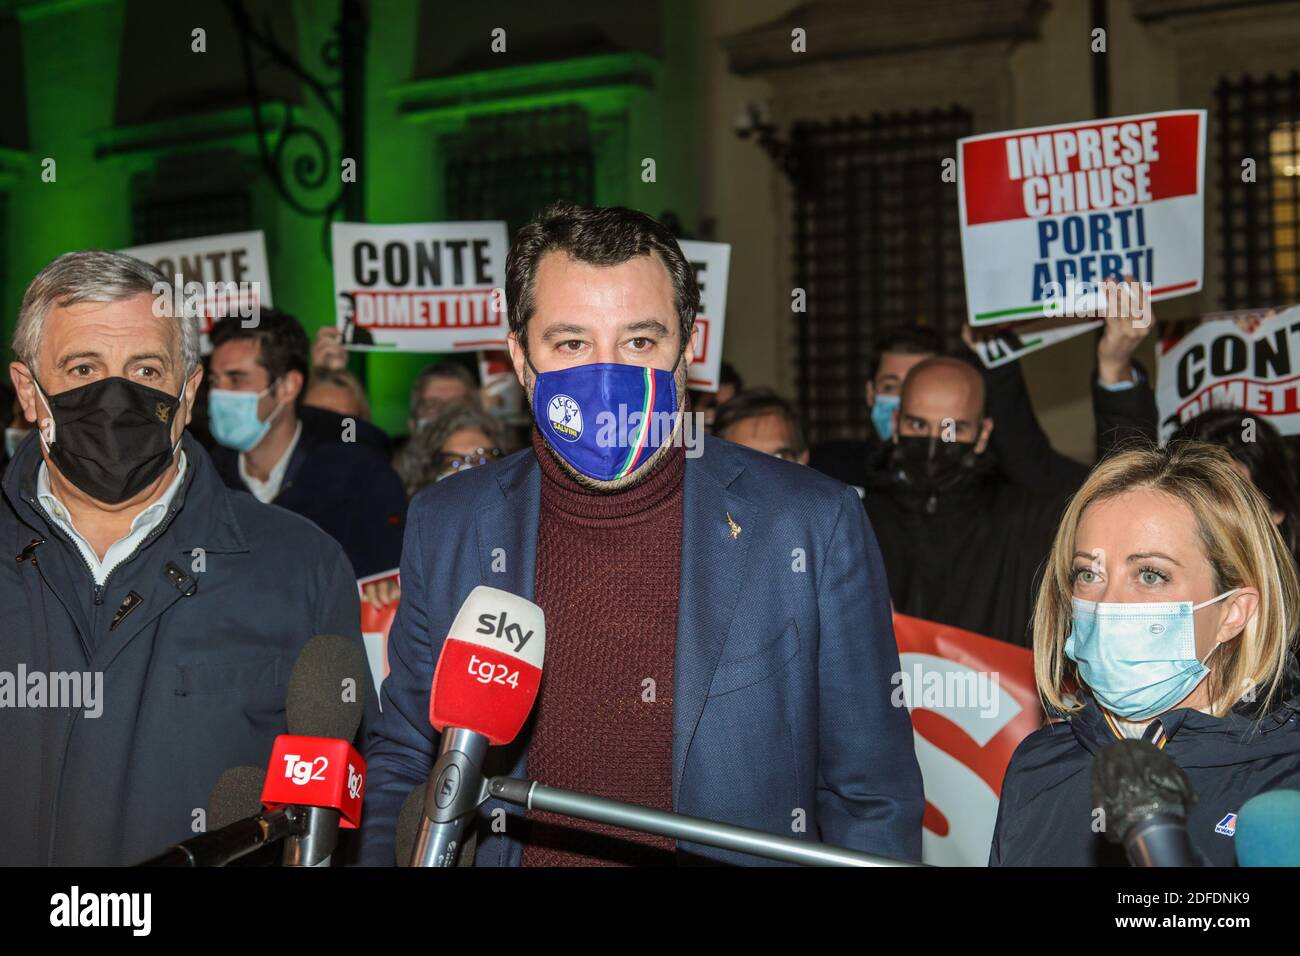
150	619
310	460
1167	613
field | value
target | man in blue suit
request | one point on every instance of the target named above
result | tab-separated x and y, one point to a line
718	636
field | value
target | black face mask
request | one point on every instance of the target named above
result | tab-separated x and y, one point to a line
933	466
111	438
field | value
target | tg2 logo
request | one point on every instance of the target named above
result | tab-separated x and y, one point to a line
302	771
355	781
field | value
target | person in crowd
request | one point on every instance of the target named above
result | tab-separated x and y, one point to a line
764	421
1260	454
337	391
772	687
1123	402
162	610
311	461
944	500
860	462
1019	448
960	541
707	403
458	438
438	386
1167	613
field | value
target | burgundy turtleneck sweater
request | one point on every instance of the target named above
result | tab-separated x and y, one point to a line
608	568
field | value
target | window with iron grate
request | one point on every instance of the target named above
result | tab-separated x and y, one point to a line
1259	221
191	195
511	165
876	247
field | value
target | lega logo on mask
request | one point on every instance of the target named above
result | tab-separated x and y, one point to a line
565	417
163	412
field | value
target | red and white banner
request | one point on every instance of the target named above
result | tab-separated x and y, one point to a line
212	276
712	264
1248	360
1049	210
972	700
375	625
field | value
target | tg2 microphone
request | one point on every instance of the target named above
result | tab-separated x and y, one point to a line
314	766
316	779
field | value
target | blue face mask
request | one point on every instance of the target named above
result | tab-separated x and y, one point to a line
882	415
605	419
232	418
1138	659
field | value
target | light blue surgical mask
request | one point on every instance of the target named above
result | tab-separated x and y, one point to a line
1138	658
882	415
232	418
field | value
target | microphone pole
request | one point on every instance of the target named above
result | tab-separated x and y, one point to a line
486	681
452	795
316	843
536	796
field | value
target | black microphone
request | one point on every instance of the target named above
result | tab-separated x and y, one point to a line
237	796
1144	797
327	694
236	824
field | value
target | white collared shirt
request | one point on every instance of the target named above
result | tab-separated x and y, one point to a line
265	491
121	549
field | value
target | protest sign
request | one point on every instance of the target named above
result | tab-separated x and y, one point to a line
375	625
972	700
1014	342
212	276
421	287
711	262
500	390
1049	210
1220	364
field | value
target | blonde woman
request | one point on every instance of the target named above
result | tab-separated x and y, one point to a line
1166	612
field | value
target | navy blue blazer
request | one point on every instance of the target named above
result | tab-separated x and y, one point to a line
782	719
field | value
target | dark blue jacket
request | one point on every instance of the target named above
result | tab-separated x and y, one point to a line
192	683
783	666
1045	817
347	488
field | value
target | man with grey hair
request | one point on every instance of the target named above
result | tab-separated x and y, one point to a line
181	603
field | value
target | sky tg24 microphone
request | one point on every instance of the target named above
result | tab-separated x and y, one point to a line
484	687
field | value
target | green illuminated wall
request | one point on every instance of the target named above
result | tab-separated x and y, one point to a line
71	118
87	204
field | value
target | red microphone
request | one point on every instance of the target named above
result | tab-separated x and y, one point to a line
484	686
490	667
316	772
314	767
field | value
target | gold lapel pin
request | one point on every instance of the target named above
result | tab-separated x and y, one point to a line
735	528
